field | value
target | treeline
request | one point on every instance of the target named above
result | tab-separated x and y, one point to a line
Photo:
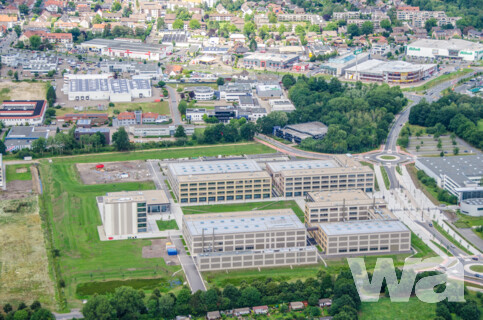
358	117
127	303
455	112
24	312
442	195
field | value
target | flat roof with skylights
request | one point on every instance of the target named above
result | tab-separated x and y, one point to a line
301	165
362	227
213	167
241	222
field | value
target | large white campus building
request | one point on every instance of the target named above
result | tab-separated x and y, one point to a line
453	49
128	49
390	71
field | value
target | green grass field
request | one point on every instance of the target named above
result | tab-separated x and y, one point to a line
12	173
480	125
424	251
415	309
477	268
188	152
167	225
71	211
442	248
388	157
249	206
465	221
157	107
450	238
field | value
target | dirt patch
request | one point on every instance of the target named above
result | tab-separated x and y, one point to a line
157	249
17	189
127	171
23	90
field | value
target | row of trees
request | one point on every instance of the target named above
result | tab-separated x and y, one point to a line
455	112
128	303
24	312
358	117
442	194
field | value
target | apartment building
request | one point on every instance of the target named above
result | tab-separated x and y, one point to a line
337	206
363	237
297	178
212	181
251	239
125	213
346	15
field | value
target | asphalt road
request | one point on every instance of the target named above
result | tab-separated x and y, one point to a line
173	106
73	314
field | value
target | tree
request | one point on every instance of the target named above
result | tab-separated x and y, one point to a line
98	308
443	312
161	84
220	81
178	24
121	139
116	6
128	303
249	28
24	9
7	308
10	73
180	133
21	315
15	75
194	24
288	81
353	30
386	24
367	28
39	145
272	18
42	314
160	23
182	106
17	29
430	23
248	130
250	297
253	45
456	151
51	96
35	42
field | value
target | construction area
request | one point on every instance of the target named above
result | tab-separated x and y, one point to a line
157	249
22	182
112	172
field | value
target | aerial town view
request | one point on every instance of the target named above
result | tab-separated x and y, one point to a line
235	159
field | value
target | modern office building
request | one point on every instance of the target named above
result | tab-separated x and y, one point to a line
157	130
451	49
232	91
298	132
461	176
202	93
269	91
472	207
251	239
196	114
212	181
338	65
363	237
346	205
91	131
297	178
125	213
22	112
390	71
281	105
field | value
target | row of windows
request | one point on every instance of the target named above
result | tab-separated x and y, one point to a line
342	176
363	249
197	194
228	188
223	183
223	198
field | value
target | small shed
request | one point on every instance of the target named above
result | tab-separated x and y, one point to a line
260	309
293	306
213	315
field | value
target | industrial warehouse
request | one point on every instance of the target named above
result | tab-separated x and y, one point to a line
105	87
131	48
297	178
219	181
298	132
452	49
390	71
253	239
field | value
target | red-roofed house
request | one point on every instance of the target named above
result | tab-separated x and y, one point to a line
54	6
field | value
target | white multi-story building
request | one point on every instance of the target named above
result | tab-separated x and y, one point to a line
203	93
451	49
196	115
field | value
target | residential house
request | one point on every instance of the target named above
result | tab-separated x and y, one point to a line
169	19
325	302
260	309
246	9
8	21
98	27
220	9
152	10
54	6
241	312
10	10
59	24
475	34
213	315
445	34
83	7
295	306
173	70
221	16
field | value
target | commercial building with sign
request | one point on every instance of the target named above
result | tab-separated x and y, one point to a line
390	71
452	49
297	178
212	181
251	239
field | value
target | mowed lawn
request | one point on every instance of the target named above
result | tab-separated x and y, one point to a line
384	309
170	153
73	214
480	125
12	173
249	206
